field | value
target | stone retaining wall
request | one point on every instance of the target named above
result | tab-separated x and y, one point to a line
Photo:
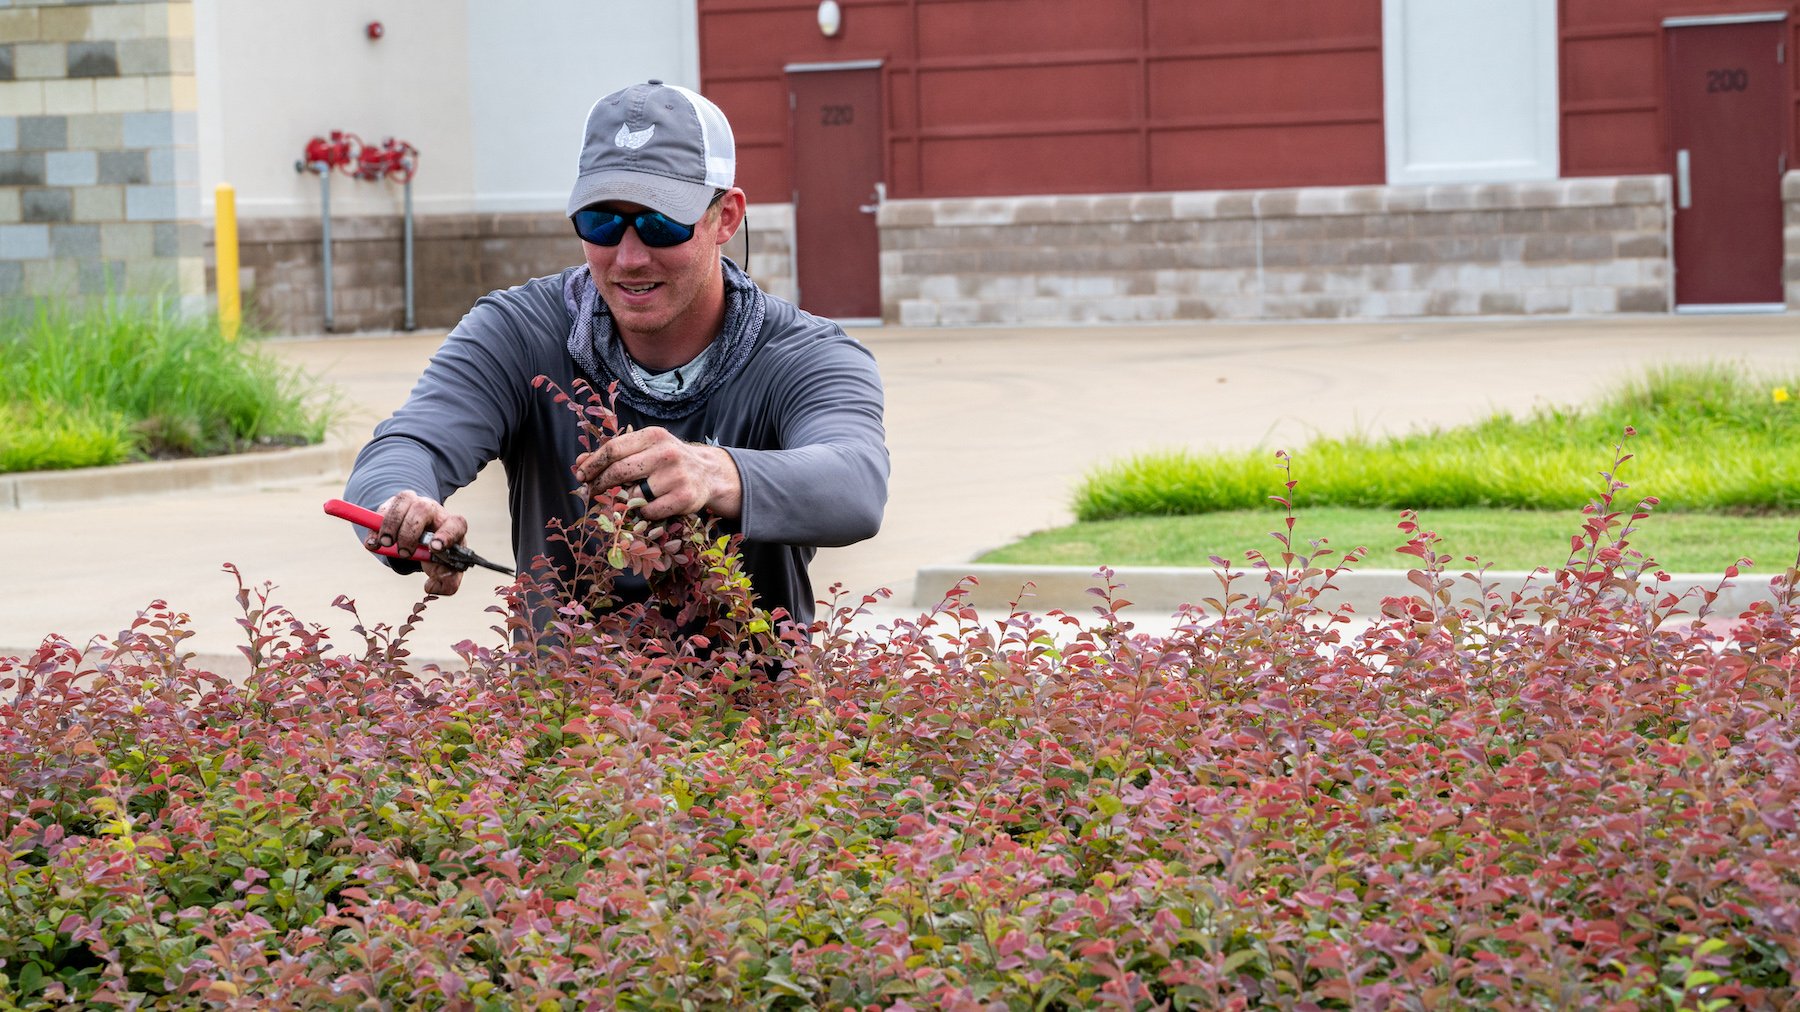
1576	246
1580	246
1790	195
771	228
458	258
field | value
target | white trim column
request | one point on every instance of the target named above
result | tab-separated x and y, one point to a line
1470	90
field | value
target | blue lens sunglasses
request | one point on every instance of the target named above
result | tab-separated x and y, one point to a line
654	228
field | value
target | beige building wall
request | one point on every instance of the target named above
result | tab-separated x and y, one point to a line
274	75
119	119
492	96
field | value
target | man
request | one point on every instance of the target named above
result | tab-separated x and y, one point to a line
739	404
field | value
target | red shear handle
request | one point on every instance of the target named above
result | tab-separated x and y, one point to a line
353	513
372	521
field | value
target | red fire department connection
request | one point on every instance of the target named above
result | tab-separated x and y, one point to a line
393	160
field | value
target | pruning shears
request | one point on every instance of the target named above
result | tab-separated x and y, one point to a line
455	557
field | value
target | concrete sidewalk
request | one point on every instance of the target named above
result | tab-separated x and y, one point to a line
989	431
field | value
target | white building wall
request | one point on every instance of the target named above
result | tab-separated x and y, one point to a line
535	69
492	95
1471	90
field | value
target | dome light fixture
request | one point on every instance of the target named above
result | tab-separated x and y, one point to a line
831	17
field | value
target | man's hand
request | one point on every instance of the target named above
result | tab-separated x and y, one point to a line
405	520
675	477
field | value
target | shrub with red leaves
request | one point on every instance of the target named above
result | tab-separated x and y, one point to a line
1569	796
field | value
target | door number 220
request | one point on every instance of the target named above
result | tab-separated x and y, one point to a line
836	115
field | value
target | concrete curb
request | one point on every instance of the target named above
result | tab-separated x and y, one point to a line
47	489
1164	589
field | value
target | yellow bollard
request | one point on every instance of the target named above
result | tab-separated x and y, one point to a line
225	244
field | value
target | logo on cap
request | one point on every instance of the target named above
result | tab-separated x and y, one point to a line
633	139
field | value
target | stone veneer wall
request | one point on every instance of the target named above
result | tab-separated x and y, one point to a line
771	229
458	258
1790	195
99	174
1577	246
1582	246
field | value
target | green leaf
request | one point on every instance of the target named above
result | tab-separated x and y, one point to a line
1237	959
1699	978
784	985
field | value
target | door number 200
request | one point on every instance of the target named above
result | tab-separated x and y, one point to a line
1727	80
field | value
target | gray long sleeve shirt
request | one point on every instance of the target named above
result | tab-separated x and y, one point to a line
802	421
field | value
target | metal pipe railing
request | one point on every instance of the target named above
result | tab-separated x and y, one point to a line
409	253
325	231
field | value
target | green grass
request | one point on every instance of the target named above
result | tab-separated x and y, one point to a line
1715	444
121	380
1709	438
1503	539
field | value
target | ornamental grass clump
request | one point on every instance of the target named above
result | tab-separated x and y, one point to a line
1581	794
124	380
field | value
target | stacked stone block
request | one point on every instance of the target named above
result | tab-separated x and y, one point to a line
1790	198
771	250
457	258
1573	246
99	172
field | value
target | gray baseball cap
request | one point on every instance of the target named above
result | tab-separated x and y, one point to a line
655	144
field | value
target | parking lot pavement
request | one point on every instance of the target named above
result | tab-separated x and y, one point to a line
989	430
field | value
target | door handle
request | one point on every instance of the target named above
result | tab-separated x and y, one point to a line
879	196
1684	187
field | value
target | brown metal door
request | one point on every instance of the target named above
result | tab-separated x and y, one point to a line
1726	93
837	183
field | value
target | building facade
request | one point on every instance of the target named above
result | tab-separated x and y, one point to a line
120	118
1036	161
933	162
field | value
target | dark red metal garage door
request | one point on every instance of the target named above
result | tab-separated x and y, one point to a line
1070	96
